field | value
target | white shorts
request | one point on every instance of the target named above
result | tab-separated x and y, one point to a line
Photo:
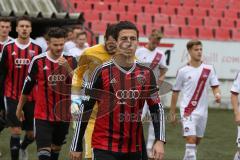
194	125
238	137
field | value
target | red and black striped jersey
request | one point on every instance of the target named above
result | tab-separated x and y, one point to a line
5	42
53	83
121	95
14	64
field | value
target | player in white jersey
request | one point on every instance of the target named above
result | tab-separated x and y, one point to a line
235	90
153	57
193	80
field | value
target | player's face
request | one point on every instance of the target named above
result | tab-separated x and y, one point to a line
196	52
76	32
5	28
24	29
110	45
70	36
56	46
81	40
153	43
127	42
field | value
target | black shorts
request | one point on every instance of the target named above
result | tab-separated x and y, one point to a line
48	133
99	154
12	120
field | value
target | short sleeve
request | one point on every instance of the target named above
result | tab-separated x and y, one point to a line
179	81
236	84
213	78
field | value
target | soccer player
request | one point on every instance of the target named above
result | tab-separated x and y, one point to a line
15	60
120	86
193	81
154	58
235	104
91	58
50	71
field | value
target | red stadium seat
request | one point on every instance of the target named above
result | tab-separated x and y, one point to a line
205	33
134	8
171	31
151	9
161	19
205	3
92	16
109	16
231	13
234	4
227	23
99	27
236	34
189	3
100	6
140	27
220	4
178	20
200	12
169	10
128	16
144	18
217	13
175	3
158	2
83	7
188	32
184	11
195	21
144	2
118	7
209	21
126	1
222	34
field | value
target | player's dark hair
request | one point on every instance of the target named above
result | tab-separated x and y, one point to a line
77	27
192	43
56	32
109	31
124	25
5	19
23	18
82	33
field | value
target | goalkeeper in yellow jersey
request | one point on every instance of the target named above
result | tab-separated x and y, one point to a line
89	60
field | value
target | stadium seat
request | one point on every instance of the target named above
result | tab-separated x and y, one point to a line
99	27
220	4
194	21
227	23
189	3
169	10
144	18
236	34
158	2
222	34
205	33
231	13
161	19
108	16
128	16
188	32
175	3
83	7
144	2
178	20
184	11
126	1
141	29
100	6
134	8
118	7
200	12
234	4
204	3
171	31
210	21
217	13
153	9
91	16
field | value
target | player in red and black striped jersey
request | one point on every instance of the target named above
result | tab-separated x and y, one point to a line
51	72
120	87
15	60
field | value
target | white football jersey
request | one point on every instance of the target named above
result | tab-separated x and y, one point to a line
236	84
194	83
148	57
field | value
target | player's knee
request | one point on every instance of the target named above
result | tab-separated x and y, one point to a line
30	135
191	139
44	154
16	131
56	148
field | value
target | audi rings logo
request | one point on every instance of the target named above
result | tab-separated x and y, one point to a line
22	61
56	78
127	94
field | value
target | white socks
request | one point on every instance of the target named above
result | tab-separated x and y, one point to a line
190	152
237	156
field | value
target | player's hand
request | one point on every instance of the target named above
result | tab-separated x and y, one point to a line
158	150
20	115
237	118
75	155
173	118
63	62
218	98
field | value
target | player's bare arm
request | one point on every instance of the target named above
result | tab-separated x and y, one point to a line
19	112
173	107
234	101
217	94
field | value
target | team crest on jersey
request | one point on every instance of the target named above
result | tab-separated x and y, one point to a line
186	129
31	52
194	103
141	79
45	68
113	81
14	53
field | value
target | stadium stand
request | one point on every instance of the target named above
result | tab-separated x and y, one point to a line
194	18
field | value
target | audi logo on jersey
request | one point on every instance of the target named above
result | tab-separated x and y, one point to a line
56	78
22	61
127	94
